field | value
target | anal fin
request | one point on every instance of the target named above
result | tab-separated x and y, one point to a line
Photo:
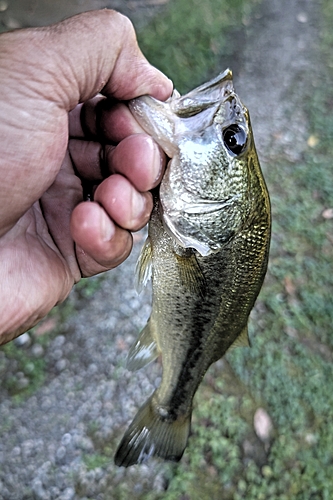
143	351
242	340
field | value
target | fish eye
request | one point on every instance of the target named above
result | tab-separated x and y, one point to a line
234	138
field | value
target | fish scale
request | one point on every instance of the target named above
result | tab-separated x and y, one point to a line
206	253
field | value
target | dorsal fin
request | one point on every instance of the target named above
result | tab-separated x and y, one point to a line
143	266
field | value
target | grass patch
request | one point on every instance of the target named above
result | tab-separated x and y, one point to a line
187	40
95	460
87	287
22	373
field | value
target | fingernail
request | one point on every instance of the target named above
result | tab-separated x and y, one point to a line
159	162
107	227
140	207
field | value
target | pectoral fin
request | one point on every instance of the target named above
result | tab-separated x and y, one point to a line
143	351
143	266
190	274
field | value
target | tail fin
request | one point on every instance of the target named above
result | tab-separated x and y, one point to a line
151	434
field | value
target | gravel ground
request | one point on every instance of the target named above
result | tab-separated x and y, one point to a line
89	397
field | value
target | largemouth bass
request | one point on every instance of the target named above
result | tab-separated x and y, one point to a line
206	252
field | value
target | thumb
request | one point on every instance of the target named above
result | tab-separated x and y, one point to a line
98	52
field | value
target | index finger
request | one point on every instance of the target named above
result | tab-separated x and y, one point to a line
103	119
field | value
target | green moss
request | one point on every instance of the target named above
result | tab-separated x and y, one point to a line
27	369
87	287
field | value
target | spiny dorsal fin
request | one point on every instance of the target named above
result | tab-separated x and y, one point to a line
190	274
143	351
143	266
242	340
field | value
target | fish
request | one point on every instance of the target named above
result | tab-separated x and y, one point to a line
206	254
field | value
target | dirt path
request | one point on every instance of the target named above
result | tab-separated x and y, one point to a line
88	395
26	13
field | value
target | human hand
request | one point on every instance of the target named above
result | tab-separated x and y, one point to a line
49	143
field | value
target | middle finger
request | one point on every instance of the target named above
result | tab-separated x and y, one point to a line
137	157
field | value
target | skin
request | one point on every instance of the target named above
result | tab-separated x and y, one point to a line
61	119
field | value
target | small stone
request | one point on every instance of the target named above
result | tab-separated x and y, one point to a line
262	424
312	141
267	471
92	369
16	451
3	5
310	439
57	354
99	473
37	351
68	494
38	490
66	439
61	365
46	403
302	17
160	482
59	341
29	368
22	383
327	213
68	347
54	492
23	340
60	454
